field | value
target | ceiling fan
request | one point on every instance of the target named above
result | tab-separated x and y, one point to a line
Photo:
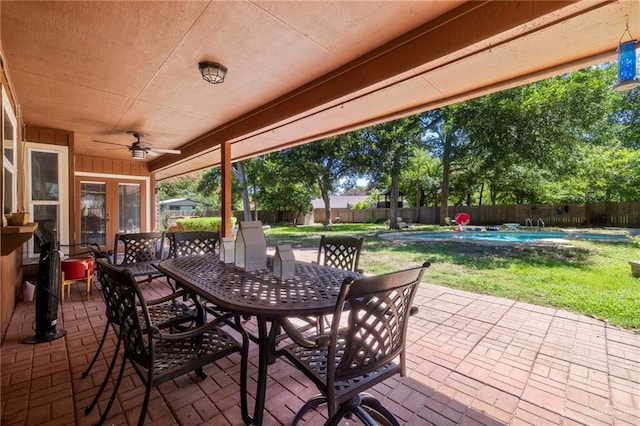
139	149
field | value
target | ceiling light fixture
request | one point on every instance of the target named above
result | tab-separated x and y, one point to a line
212	72
138	154
627	64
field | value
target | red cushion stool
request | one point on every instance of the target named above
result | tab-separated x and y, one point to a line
75	270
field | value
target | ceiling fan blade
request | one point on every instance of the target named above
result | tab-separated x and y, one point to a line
165	151
152	153
110	143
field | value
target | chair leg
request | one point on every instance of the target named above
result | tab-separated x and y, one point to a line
107	376
201	373
88	287
115	391
244	371
343	411
372	403
95	356
308	406
147	395
62	286
364	416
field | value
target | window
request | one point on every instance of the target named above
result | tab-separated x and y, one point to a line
47	192
10	144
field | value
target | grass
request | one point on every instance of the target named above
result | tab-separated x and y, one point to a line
590	278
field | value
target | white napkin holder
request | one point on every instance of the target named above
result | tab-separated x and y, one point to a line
284	262
227	250
250	247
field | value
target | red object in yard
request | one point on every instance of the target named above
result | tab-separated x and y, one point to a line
462	218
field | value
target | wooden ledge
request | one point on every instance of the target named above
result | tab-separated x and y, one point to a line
15	236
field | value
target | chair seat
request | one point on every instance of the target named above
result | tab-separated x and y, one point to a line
173	358
74	270
314	360
170	314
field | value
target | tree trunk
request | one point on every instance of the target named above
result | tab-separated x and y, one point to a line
394	195
242	181
446	171
327	208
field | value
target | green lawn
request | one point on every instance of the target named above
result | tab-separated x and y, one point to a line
590	278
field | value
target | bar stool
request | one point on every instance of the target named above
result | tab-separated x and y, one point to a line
75	270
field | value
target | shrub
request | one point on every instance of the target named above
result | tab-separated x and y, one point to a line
361	205
376	220
202	223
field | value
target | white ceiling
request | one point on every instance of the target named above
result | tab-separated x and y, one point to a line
297	70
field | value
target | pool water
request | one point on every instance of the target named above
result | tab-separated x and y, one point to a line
511	236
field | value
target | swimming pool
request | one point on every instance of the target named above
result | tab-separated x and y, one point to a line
509	236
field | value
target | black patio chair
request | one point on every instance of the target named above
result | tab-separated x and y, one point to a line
157	356
140	252
340	252
360	352
163	313
195	242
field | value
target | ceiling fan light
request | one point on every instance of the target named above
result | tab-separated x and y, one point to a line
212	72
138	154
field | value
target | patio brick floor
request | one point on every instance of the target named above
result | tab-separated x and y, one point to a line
472	360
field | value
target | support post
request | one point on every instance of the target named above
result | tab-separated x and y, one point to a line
225	164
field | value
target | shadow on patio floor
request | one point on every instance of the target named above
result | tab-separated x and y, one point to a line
472	359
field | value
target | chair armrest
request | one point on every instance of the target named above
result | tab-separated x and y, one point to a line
194	332
169	297
299	339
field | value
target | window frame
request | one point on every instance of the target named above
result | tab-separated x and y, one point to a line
62	203
9	165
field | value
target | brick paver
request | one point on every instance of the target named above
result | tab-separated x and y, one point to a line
473	360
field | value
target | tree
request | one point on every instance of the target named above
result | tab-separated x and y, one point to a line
421	180
324	164
180	186
388	150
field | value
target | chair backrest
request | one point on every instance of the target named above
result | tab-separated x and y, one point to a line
170	240
195	242
108	294
340	251
138	247
377	311
131	313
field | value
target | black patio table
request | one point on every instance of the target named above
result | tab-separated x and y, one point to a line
313	290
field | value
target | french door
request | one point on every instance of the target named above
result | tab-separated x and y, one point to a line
108	206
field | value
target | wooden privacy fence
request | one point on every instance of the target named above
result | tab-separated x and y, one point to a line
625	214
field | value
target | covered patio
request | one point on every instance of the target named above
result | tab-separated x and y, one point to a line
76	77
473	360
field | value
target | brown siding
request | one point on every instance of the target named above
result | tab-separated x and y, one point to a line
49	136
11	270
109	166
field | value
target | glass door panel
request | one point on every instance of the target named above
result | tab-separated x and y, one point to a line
108	206
129	209
46	216
93	213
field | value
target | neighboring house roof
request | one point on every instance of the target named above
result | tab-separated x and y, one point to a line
339	201
182	202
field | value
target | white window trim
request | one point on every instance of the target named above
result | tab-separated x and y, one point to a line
63	193
11	167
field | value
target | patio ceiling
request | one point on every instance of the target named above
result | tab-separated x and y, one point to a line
298	71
